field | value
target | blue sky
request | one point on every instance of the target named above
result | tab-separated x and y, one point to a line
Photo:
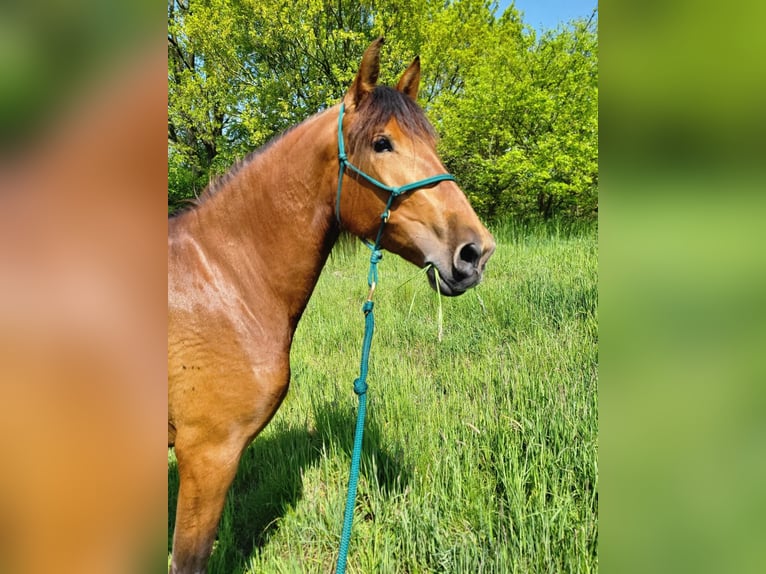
545	14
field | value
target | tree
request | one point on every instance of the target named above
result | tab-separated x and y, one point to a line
522	134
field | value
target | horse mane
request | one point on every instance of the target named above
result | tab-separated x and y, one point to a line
374	112
218	182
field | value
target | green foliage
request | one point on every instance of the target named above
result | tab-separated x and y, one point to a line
522	133
517	114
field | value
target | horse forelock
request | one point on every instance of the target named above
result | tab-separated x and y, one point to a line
377	109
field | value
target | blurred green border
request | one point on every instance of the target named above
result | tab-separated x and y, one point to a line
682	283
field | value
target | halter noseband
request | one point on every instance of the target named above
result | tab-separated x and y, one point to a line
394	192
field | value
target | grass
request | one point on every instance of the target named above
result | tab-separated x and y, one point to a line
480	451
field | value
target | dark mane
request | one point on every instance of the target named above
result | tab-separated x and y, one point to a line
376	111
220	181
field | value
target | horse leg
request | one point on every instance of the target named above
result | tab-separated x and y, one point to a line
208	451
206	472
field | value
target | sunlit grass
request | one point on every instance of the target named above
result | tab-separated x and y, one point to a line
481	438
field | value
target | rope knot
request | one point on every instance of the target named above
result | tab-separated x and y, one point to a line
367	307
360	386
376	256
342	156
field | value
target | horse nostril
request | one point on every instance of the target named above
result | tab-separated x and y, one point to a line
466	261
470	254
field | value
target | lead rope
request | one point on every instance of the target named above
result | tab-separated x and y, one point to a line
360	384
360	388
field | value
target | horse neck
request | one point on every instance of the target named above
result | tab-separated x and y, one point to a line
274	218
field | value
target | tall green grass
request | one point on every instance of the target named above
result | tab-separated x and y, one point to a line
480	450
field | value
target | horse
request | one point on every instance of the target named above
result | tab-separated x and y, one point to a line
244	260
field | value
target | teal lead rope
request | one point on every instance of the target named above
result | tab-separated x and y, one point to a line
360	388
360	384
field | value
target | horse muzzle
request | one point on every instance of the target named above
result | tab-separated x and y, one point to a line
464	271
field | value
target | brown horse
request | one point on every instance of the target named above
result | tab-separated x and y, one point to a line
243	262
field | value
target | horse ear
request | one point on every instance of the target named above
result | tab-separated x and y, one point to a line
410	80
367	76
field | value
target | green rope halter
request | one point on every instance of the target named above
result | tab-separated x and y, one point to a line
393	191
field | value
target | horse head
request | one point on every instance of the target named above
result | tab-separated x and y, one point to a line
391	149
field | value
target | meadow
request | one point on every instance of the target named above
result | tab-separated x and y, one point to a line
481	440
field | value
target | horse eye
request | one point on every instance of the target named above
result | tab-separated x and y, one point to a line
382	144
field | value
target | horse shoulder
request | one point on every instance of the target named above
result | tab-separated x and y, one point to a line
228	346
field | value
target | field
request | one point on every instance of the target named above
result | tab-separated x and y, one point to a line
480	450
